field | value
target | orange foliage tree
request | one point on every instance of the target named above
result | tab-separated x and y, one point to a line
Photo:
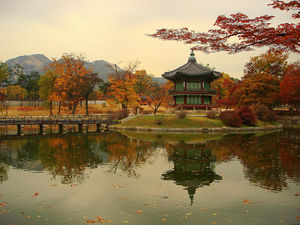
273	62
70	84
261	88
225	87
160	95
122	89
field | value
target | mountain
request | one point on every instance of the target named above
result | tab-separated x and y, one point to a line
30	63
159	80
37	62
103	68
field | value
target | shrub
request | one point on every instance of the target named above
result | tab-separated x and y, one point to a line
181	115
247	115
118	115
147	112
231	119
264	113
211	115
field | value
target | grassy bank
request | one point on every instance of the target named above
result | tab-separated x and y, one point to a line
174	122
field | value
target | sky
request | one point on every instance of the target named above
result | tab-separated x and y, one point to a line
115	30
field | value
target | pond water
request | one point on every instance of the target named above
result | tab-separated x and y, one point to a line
141	179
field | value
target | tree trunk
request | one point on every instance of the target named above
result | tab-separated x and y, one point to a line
51	108
87	105
74	108
124	107
59	106
70	106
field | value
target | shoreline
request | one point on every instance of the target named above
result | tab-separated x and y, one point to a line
203	129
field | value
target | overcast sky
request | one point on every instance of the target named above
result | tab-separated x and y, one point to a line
114	30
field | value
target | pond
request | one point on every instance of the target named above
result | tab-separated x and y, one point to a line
141	179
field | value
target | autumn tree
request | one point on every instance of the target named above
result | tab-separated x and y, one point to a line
225	87
69	85
261	88
46	88
290	87
143	83
273	62
30	83
4	73
238	32
121	89
90	81
16	92
160	96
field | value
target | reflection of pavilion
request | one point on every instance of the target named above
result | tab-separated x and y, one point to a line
192	167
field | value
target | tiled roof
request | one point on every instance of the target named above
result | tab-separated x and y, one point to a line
192	68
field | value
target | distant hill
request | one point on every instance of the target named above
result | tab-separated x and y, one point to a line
159	80
37	62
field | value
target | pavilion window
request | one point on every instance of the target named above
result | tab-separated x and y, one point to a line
193	100
193	86
179	100
206	85
179	86
206	100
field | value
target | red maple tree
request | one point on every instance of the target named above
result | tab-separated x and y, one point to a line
249	32
290	87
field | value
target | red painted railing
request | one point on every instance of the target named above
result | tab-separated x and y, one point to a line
202	91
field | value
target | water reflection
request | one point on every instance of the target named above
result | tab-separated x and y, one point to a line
193	167
268	159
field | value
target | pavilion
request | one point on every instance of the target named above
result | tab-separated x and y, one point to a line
192	85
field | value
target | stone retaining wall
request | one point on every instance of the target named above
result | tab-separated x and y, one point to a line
204	129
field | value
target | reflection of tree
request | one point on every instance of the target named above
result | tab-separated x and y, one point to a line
193	167
64	156
289	150
259	155
68	157
3	172
126	154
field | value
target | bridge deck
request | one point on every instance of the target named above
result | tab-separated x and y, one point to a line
55	121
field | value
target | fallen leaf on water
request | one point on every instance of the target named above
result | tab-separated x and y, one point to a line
53	185
22	213
214	214
91	221
298	217
213	223
35	194
297	194
28	217
3	204
202	208
281	221
124	221
73	185
123	198
189	213
163	219
248	202
139	211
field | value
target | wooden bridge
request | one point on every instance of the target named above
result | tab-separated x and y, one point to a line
61	121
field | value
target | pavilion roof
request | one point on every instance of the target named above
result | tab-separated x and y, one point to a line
192	69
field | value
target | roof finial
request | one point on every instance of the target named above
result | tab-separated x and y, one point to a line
192	57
